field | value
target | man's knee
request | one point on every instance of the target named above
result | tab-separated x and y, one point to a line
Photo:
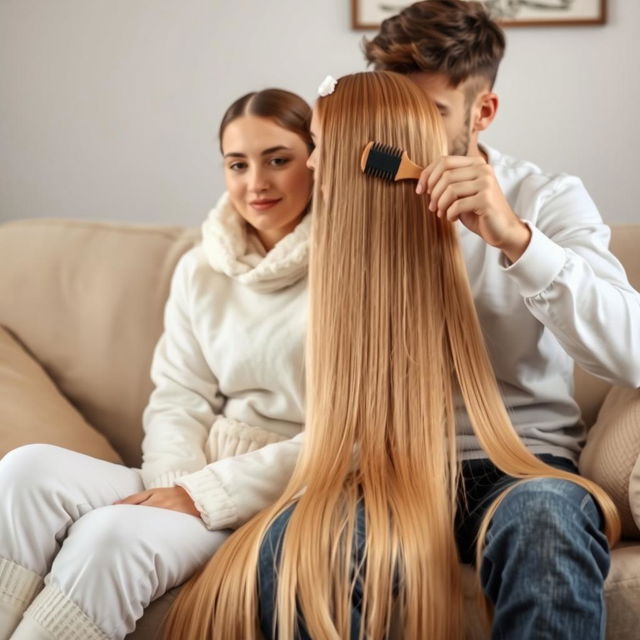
547	505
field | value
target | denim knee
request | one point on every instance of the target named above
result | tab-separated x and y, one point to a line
545	524
545	562
545	504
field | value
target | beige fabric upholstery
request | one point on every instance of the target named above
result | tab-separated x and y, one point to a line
634	478
33	410
625	244
87	299
151	625
622	591
612	451
590	392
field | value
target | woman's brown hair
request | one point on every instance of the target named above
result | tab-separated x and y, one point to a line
286	109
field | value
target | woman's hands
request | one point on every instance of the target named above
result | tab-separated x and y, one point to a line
465	188
174	498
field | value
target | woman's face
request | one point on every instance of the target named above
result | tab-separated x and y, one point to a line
312	161
265	169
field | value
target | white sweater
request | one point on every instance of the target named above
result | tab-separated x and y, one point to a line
566	298
229	371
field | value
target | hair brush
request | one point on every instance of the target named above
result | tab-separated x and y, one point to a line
389	163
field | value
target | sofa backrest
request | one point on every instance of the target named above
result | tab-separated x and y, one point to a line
86	300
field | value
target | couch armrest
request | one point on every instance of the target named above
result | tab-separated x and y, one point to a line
33	410
611	456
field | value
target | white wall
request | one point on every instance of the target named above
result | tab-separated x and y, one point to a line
109	108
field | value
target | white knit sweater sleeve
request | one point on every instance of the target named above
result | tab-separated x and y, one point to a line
182	406
574	286
230	491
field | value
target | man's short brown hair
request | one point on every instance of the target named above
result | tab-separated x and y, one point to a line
453	37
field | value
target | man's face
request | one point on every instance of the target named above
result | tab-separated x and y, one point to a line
454	105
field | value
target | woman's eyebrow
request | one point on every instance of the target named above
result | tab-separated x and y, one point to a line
274	149
237	154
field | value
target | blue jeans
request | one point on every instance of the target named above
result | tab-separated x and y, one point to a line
543	566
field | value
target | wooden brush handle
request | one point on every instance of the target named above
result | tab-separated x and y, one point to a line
408	170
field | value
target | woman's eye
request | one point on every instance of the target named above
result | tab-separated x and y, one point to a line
238	166
278	162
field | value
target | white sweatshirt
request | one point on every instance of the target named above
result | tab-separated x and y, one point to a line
566	298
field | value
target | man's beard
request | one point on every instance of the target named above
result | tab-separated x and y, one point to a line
460	145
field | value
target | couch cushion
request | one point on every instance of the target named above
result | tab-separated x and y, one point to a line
612	449
590	392
33	410
86	299
622	591
625	240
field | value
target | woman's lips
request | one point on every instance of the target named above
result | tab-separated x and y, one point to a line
263	205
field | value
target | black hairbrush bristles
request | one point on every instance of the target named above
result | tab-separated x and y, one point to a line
387	162
383	161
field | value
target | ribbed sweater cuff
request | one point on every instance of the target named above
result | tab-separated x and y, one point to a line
61	618
166	479
18	585
211	498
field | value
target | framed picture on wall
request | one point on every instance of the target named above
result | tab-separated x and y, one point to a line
368	14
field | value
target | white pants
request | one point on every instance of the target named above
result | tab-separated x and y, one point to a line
102	564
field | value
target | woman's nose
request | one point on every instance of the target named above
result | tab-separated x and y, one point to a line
258	181
311	161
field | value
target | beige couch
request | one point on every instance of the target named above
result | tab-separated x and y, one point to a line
81	310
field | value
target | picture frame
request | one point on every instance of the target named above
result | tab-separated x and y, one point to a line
368	14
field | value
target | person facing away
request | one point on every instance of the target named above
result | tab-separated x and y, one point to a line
81	551
382	502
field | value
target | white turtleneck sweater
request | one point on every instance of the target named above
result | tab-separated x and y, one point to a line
229	371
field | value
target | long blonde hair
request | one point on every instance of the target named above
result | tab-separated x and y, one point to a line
392	336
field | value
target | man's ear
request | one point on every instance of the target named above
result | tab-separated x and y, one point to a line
485	111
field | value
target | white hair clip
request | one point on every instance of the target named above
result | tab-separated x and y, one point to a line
327	86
